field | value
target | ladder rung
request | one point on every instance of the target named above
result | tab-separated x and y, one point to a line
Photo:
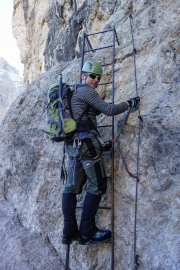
104	126
105	83
96	49
99	32
105	207
100	207
109	64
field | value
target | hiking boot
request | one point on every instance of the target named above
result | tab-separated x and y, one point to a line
67	240
99	236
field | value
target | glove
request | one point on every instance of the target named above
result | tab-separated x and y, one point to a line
107	145
133	102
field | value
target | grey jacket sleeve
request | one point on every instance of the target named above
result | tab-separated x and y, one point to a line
91	97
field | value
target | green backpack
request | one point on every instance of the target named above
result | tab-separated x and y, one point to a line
60	122
60	125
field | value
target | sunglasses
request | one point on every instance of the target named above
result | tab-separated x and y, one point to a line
93	76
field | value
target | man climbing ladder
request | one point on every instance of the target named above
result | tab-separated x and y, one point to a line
86	164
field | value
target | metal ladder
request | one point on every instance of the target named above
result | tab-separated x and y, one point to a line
87	48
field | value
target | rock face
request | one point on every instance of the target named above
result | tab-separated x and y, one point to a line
10	86
30	185
49	32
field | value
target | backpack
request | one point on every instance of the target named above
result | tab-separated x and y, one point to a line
60	125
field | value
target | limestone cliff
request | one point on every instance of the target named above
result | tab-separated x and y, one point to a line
10	86
49	31
49	36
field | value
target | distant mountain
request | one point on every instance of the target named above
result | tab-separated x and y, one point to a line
11	85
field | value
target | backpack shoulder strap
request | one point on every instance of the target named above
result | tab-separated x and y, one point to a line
83	113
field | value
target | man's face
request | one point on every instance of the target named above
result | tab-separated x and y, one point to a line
92	80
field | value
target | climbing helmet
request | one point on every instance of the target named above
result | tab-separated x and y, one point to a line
92	66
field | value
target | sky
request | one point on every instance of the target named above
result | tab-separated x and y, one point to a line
8	45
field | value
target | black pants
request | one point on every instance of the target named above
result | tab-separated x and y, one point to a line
87	225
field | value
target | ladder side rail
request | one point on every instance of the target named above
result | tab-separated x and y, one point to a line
116	36
112	157
82	58
67	257
89	43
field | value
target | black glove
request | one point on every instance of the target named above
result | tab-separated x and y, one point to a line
133	102
107	145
